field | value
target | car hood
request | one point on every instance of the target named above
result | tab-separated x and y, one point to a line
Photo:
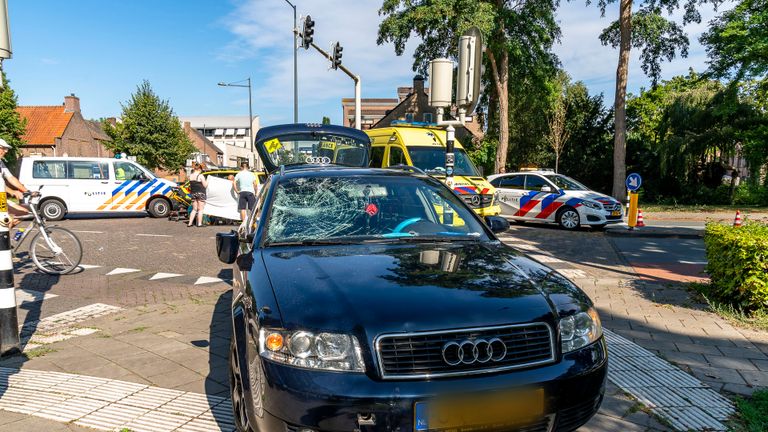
405	287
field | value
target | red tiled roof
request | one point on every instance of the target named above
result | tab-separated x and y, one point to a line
44	123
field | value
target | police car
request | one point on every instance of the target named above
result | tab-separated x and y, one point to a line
544	196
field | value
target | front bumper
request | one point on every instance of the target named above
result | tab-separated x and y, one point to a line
294	399
493	210
591	216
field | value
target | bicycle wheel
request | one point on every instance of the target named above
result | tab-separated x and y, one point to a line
61	255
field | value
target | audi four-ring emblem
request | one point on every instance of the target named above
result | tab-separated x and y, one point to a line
318	160
474	351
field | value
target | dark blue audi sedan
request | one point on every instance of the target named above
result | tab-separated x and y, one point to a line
376	300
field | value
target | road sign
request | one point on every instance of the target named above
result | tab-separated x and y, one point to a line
634	181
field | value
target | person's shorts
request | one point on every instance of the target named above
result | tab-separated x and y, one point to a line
247	200
198	196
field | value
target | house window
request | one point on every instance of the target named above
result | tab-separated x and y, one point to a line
427	117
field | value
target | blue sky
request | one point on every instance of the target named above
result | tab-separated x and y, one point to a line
101	50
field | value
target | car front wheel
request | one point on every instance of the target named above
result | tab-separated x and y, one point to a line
53	210
239	412
568	218
159	208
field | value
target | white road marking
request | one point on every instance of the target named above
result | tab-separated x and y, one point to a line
29	296
106	404
89	232
572	273
164	276
120	270
206	279
692	262
154	235
686	402
88	266
62	326
545	258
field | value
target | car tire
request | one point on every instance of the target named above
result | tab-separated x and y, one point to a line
237	391
53	209
568	218
159	208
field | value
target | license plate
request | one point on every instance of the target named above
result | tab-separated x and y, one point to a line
479	412
616	213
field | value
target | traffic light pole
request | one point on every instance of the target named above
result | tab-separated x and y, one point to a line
355	78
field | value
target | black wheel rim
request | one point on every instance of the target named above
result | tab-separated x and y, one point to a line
236	387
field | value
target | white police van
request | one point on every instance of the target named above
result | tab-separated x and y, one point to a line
544	196
94	185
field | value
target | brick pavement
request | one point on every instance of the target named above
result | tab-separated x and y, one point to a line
660	316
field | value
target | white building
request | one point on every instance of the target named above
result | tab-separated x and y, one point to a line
231	134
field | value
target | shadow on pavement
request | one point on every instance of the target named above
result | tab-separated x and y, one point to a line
217	381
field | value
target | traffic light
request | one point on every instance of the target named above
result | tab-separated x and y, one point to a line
336	59
307	32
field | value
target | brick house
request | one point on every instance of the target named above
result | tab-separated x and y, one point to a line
414	107
61	130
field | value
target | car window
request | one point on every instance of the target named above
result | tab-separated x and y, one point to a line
128	171
432	160
377	157
510	182
396	156
534	183
367	208
566	183
49	169
82	170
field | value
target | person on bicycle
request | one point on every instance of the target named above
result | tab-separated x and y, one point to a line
16	188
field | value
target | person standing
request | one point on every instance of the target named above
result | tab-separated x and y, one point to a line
197	186
245	186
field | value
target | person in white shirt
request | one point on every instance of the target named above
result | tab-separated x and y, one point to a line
245	187
16	188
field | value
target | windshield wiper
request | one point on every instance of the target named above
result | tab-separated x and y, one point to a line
433	238
315	242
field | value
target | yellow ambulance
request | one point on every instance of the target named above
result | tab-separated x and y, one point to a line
424	148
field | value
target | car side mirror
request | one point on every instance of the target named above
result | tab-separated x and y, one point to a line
546	189
497	224
227	246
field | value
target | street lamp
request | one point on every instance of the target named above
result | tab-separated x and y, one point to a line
295	68
250	108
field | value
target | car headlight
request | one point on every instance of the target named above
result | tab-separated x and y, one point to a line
580	329
327	351
593	205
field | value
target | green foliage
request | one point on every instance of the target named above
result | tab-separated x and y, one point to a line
12	126
737	41
655	36
484	155
326	120
150	131
738	264
753	412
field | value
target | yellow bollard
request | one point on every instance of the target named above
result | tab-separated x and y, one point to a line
632	215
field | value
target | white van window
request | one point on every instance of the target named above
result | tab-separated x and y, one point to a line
49	169
82	170
128	171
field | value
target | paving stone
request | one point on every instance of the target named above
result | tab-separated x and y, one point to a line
176	379
730	362
697	348
718	375
691	359
743	353
761	364
755	378
739	389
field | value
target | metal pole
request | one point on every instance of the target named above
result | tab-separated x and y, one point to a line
450	158
295	69
250	120
1	74
358	117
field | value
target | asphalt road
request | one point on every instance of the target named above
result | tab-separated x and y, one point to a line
666	259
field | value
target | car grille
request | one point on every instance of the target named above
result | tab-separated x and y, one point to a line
419	355
614	207
485	200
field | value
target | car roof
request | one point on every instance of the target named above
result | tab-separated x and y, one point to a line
269	132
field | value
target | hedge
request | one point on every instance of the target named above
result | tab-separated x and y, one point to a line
738	264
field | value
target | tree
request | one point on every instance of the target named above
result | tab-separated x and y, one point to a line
558	132
518	35
12	126
150	131
326	120
737	42
658	38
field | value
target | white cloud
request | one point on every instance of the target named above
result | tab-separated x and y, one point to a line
262	36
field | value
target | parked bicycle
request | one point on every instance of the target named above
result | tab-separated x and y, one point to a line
53	249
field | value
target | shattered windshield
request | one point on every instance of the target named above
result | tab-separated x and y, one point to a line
317	148
367	208
432	160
